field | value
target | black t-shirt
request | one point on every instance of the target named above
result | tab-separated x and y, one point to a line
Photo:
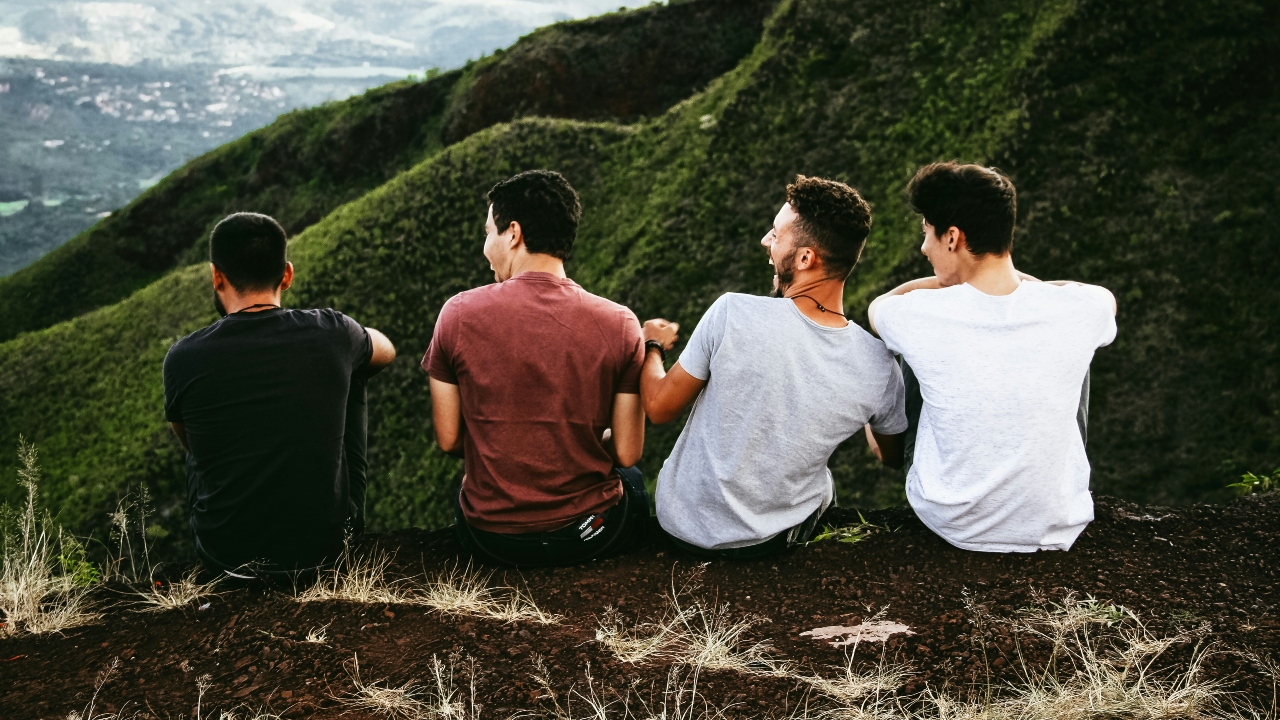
263	397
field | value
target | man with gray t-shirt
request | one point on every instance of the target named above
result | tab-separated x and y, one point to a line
776	384
997	459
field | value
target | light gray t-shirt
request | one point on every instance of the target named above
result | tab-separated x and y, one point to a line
782	392
999	463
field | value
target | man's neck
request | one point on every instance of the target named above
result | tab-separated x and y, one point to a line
819	293
992	274
538	262
253	302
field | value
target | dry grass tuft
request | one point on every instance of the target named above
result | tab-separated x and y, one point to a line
459	591
360	579
175	595
691	633
318	636
711	638
1103	665
858	690
44	579
636	643
463	591
442	701
679	699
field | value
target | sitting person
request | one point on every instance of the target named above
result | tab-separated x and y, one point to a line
536	382
1002	361
783	380
269	404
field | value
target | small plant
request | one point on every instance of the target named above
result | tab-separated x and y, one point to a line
128	520
318	636
175	595
852	533
411	701
1250	483
360	579
463	591
690	633
44	578
103	678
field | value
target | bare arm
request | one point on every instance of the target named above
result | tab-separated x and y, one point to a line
446	416
625	439
180	432
888	449
665	394
383	351
928	283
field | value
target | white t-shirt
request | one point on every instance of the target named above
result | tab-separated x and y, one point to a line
782	392
999	462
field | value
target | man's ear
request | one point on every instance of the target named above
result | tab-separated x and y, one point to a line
517	235
220	282
806	258
287	280
954	239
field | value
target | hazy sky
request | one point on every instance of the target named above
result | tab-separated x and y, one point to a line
393	33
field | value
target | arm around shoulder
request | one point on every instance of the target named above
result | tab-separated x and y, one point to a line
927	283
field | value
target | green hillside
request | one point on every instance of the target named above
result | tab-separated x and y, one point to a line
1141	139
620	66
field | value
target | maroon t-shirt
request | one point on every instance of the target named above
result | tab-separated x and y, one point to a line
537	361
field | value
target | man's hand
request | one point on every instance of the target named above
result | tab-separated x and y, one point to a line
888	449
661	331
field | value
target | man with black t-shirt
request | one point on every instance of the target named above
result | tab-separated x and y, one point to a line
270	405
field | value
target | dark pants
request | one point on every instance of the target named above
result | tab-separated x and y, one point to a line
591	537
798	535
355	456
915	401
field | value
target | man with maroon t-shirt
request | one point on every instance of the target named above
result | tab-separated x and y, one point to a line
536	383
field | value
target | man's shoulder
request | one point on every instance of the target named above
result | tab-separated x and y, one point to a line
475	299
190	344
736	302
603	305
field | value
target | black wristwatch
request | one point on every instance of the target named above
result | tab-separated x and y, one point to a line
655	344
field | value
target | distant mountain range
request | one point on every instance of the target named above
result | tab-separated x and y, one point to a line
404	33
99	101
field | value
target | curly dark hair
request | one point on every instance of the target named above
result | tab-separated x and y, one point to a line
249	248
545	205
979	201
834	220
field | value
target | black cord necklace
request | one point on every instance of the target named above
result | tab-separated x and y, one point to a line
820	306
261	305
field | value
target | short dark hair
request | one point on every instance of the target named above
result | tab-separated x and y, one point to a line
834	220
249	249
981	202
545	205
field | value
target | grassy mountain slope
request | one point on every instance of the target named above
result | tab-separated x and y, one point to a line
619	66
1140	171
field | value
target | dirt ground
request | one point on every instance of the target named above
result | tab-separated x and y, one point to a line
1209	572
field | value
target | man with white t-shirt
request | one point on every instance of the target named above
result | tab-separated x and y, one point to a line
1002	361
777	383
